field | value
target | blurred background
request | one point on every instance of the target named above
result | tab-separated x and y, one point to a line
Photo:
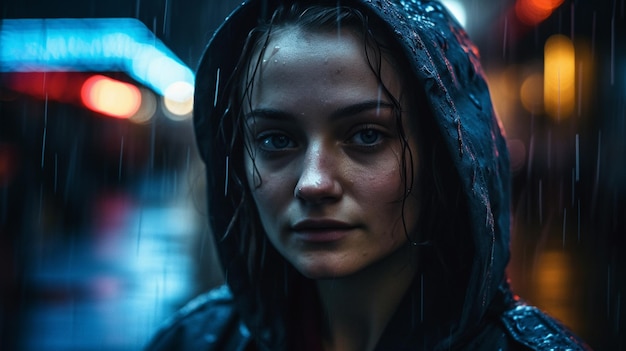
103	230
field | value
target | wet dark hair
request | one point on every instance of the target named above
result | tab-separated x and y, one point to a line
439	238
438	187
314	18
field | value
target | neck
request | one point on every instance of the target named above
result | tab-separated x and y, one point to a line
357	308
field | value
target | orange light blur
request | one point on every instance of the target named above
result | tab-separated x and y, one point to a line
559	86
110	97
531	93
532	12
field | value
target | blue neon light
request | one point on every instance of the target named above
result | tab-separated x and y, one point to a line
90	44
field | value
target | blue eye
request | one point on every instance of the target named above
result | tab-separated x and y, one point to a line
274	142
367	137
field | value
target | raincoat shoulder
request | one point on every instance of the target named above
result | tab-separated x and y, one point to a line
208	322
535	330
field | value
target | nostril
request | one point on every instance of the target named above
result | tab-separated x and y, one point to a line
318	192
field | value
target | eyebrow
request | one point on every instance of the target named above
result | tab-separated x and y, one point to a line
347	111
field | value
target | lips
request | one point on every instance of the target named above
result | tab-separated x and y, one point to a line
321	230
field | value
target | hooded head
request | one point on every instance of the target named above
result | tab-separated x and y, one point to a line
453	160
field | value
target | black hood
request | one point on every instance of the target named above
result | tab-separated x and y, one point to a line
445	63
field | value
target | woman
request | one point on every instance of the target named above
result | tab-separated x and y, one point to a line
358	186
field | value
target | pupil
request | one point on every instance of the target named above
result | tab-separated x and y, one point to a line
280	141
368	136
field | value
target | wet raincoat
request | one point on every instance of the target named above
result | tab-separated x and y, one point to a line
478	312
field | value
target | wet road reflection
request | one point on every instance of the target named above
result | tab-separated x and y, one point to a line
111	290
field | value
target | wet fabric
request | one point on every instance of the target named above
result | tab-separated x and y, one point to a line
467	305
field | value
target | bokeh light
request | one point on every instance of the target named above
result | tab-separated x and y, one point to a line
111	97
178	100
147	109
531	93
559	76
532	12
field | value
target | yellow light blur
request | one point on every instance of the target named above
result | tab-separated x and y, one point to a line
531	93
553	285
559	77
178	100
504	89
110	97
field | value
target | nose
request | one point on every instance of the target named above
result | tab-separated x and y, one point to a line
318	182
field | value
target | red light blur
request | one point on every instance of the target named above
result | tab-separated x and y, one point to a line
46	85
532	12
8	163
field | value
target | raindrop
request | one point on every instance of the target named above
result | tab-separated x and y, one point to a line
165	13
338	14
43	147
422	298
71	169
580	87
578	220
608	291
139	231
152	140
45	128
577	157
573	186
597	178
226	178
540	201
613	48
188	161
564	224
617	309
40	201
572	14
531	149
119	170
217	85
4	207
593	36
504	36
549	149
475	101
56	167
379	97
137	7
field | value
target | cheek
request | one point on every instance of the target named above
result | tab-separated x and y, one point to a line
384	182
270	191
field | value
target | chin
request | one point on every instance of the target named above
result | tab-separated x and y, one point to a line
323	270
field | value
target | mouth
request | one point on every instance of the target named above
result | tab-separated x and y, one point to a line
321	230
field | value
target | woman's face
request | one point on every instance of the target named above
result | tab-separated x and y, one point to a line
325	158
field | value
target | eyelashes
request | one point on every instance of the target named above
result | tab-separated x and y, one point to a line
275	141
366	137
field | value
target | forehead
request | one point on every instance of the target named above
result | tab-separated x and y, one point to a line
291	44
294	54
